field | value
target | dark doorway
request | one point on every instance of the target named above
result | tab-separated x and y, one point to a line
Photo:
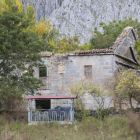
43	104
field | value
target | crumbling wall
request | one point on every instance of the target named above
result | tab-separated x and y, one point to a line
64	70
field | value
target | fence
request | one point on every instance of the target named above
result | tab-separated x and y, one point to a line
38	116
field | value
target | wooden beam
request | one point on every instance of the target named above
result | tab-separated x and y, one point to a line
126	59
125	64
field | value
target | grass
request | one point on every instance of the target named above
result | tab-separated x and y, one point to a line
112	128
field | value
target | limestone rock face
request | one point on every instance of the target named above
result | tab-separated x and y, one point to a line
79	17
43	8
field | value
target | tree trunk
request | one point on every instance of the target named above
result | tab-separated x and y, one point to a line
130	101
120	105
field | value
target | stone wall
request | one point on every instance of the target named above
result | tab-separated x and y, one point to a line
65	70
102	67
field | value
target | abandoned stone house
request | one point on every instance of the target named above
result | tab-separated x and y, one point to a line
93	66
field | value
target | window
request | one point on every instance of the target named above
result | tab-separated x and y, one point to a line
43	104
43	71
88	69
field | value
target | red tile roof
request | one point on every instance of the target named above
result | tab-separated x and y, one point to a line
118	41
51	97
94	51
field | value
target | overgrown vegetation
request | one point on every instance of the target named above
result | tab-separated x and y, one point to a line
111	31
66	44
22	38
112	128
81	87
127	88
98	96
19	53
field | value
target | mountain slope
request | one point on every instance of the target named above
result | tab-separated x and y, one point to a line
43	8
79	17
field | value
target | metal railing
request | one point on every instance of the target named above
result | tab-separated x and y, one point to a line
36	116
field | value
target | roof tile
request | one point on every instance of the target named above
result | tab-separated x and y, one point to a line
111	49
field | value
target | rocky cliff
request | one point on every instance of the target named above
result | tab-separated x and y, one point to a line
79	17
43	8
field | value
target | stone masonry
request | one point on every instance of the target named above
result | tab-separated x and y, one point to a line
63	70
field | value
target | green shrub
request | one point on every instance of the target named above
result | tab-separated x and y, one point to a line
101	113
111	128
81	114
117	122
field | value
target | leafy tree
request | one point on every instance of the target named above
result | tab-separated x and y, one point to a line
98	94
127	87
66	45
7	5
21	40
111	31
81	87
137	47
30	15
86	46
49	36
78	88
19	53
40	28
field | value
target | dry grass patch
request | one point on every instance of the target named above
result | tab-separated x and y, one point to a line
111	128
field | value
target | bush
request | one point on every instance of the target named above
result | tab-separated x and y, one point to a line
111	128
117	122
101	113
81	114
137	109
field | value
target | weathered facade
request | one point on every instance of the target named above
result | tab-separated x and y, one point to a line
93	66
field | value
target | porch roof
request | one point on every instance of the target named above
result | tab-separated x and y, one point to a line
51	97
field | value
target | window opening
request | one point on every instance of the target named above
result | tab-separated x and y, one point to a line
88	69
43	104
43	71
